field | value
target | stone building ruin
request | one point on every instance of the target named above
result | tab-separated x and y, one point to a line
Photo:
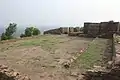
103	29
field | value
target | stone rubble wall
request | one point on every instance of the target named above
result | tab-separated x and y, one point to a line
62	30
53	31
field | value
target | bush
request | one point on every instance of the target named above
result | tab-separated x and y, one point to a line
29	31
3	36
36	31
22	35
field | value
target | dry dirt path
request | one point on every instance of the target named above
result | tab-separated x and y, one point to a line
41	64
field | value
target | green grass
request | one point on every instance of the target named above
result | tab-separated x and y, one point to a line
47	42
93	55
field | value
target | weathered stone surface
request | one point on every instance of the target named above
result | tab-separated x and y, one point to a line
10	74
53	31
71	29
64	30
103	29
77	29
111	74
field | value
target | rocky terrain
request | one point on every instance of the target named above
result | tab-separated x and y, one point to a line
9	74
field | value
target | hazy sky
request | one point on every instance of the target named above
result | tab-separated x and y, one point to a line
58	12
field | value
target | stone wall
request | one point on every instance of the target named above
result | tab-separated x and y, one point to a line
71	29
53	31
108	27
64	30
93	29
104	29
86	25
113	74
77	29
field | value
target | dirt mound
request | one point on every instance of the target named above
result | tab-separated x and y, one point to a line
10	74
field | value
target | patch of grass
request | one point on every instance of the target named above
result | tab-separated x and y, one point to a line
46	42
93	55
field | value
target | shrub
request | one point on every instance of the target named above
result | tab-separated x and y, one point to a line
29	31
36	31
22	35
3	36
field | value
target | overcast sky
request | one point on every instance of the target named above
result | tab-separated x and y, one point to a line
58	12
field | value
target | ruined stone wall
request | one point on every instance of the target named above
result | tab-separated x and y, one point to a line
93	29
64	30
103	25
108	28
104	29
77	29
86	28
53	31
71	29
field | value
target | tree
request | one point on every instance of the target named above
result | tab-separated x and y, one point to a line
36	31
8	34
29	31
11	29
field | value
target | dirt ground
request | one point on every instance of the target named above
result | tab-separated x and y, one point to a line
43	61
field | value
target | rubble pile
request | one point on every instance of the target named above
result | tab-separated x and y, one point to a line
113	74
10	74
